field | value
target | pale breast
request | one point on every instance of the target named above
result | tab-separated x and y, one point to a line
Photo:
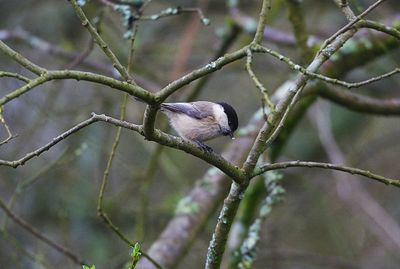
194	129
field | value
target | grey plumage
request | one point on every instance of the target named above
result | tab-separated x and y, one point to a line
198	110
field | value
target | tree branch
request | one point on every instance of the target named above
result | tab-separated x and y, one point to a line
350	170
349	25
14	75
198	73
133	90
25	225
361	103
102	44
21	59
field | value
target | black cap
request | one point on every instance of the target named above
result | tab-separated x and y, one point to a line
231	114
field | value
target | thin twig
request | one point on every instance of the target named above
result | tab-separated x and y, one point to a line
61	249
9	133
262	22
168	12
334	81
102	44
361	103
23	61
264	92
299	25
134	90
348	26
379	27
82	56
37	258
100	212
351	170
176	11
150	259
14	75
49	145
89	48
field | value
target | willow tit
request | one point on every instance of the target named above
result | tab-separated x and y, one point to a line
200	121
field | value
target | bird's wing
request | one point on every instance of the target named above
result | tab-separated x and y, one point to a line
197	110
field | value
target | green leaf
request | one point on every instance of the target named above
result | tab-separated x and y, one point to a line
135	254
88	267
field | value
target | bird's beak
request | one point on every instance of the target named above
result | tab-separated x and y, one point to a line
231	135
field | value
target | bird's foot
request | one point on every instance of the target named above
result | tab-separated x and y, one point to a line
204	147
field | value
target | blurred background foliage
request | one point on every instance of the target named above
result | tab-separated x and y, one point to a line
57	192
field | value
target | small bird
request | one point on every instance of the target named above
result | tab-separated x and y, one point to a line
202	120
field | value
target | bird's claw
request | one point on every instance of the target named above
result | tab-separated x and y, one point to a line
204	147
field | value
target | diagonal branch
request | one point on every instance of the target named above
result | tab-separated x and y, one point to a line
200	72
264	92
49	145
349	25
8	131
61	249
102	44
21	59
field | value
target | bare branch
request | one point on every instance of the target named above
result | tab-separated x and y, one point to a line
176	11
61	249
21	59
362	103
201	72
347	11
349	25
9	133
262	22
296	17
351	170
100	212
380	27
49	145
264	92
102	44
79	75
14	75
274	35
299	68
